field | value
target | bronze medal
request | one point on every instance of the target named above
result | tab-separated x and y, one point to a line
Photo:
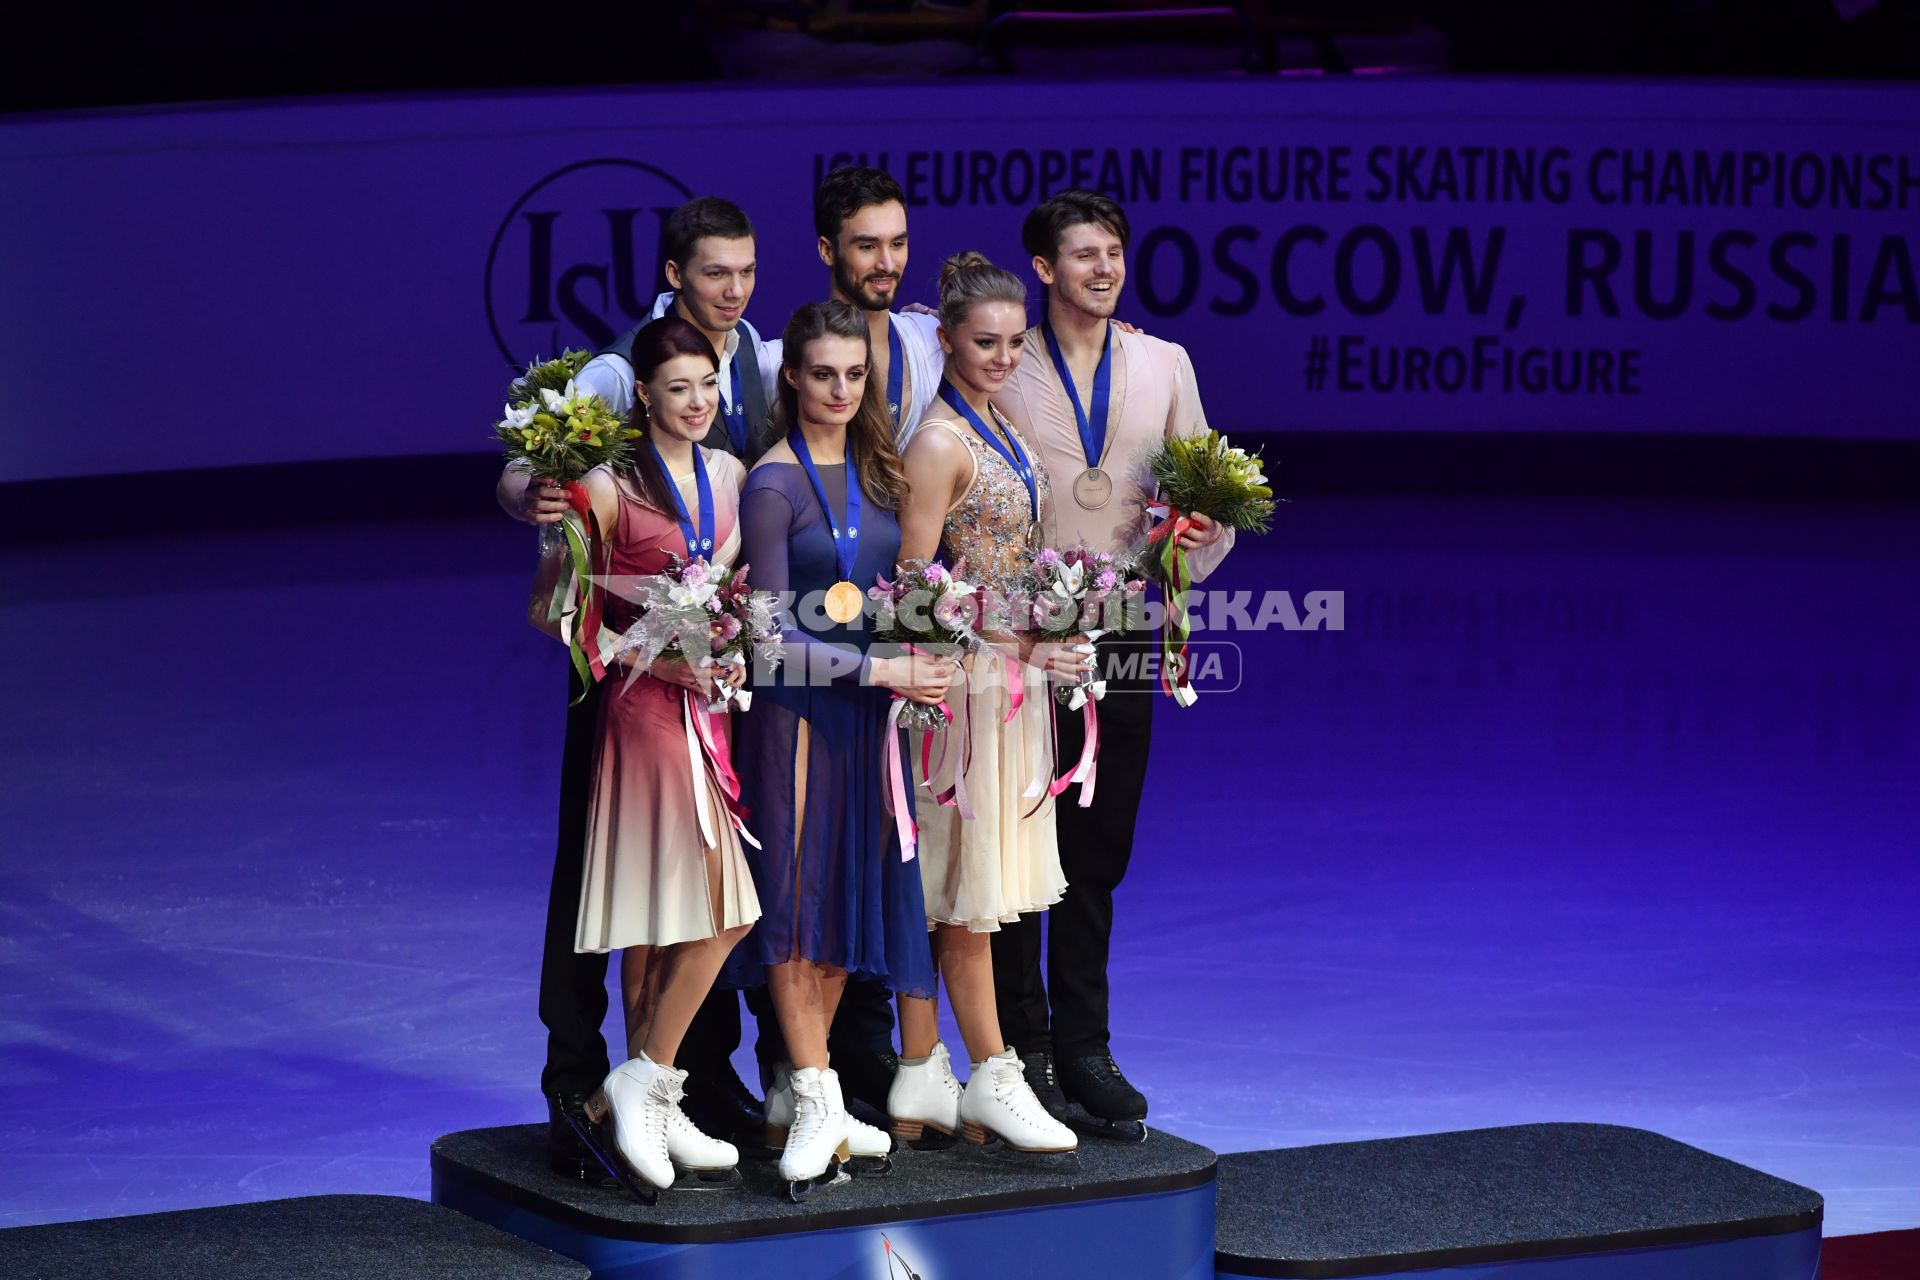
843	602
1093	488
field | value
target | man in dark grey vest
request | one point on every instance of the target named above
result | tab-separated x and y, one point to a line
710	264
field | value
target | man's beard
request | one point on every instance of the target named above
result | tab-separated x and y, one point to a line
855	289
1101	306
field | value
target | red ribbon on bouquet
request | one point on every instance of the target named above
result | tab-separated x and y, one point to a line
582	532
1174	575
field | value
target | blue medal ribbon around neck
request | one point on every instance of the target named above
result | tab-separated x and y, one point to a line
735	413
1010	451
1093	432
896	374
700	544
846	533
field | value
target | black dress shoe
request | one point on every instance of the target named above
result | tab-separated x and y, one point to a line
1093	1081
567	1155
1038	1065
720	1104
866	1075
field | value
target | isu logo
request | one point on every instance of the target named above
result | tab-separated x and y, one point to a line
897	1268
576	259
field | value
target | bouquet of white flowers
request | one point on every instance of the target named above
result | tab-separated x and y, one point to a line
560	433
1206	475
1079	591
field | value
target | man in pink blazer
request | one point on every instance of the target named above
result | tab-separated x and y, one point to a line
1092	400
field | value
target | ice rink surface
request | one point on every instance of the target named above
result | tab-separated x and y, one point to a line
1594	810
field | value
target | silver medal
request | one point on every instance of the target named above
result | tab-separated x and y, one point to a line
1093	488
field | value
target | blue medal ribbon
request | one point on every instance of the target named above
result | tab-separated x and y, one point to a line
896	374
699	545
1010	452
1093	432
735	414
845	534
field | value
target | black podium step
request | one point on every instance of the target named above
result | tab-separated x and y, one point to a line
1117	1210
310	1238
1576	1192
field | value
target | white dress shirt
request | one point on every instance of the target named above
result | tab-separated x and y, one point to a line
611	378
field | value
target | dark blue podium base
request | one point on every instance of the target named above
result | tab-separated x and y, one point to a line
1125	1211
1532	1202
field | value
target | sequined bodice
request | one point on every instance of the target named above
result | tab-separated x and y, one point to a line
991	524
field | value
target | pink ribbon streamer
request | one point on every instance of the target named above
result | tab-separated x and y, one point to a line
1085	772
897	802
719	762
1042	782
958	725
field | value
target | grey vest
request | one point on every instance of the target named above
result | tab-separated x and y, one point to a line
753	393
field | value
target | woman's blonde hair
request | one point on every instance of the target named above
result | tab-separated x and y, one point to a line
967	279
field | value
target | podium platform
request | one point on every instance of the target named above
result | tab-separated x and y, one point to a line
1126	1210
309	1238
1531	1202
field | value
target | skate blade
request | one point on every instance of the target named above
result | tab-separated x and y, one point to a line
870	1166
798	1192
701	1180
583	1168
1129	1131
996	1148
615	1167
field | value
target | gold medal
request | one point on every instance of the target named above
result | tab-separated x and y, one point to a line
1093	488
1036	535
843	602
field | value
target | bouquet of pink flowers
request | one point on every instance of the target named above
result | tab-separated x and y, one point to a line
704	615
1079	591
930	608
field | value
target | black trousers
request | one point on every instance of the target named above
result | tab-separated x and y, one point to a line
1067	1009
573	986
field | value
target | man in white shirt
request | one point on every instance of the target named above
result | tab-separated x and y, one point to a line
710	264
860	215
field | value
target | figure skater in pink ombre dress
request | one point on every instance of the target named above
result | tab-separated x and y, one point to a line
667	888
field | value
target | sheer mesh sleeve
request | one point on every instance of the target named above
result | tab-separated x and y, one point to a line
768	514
